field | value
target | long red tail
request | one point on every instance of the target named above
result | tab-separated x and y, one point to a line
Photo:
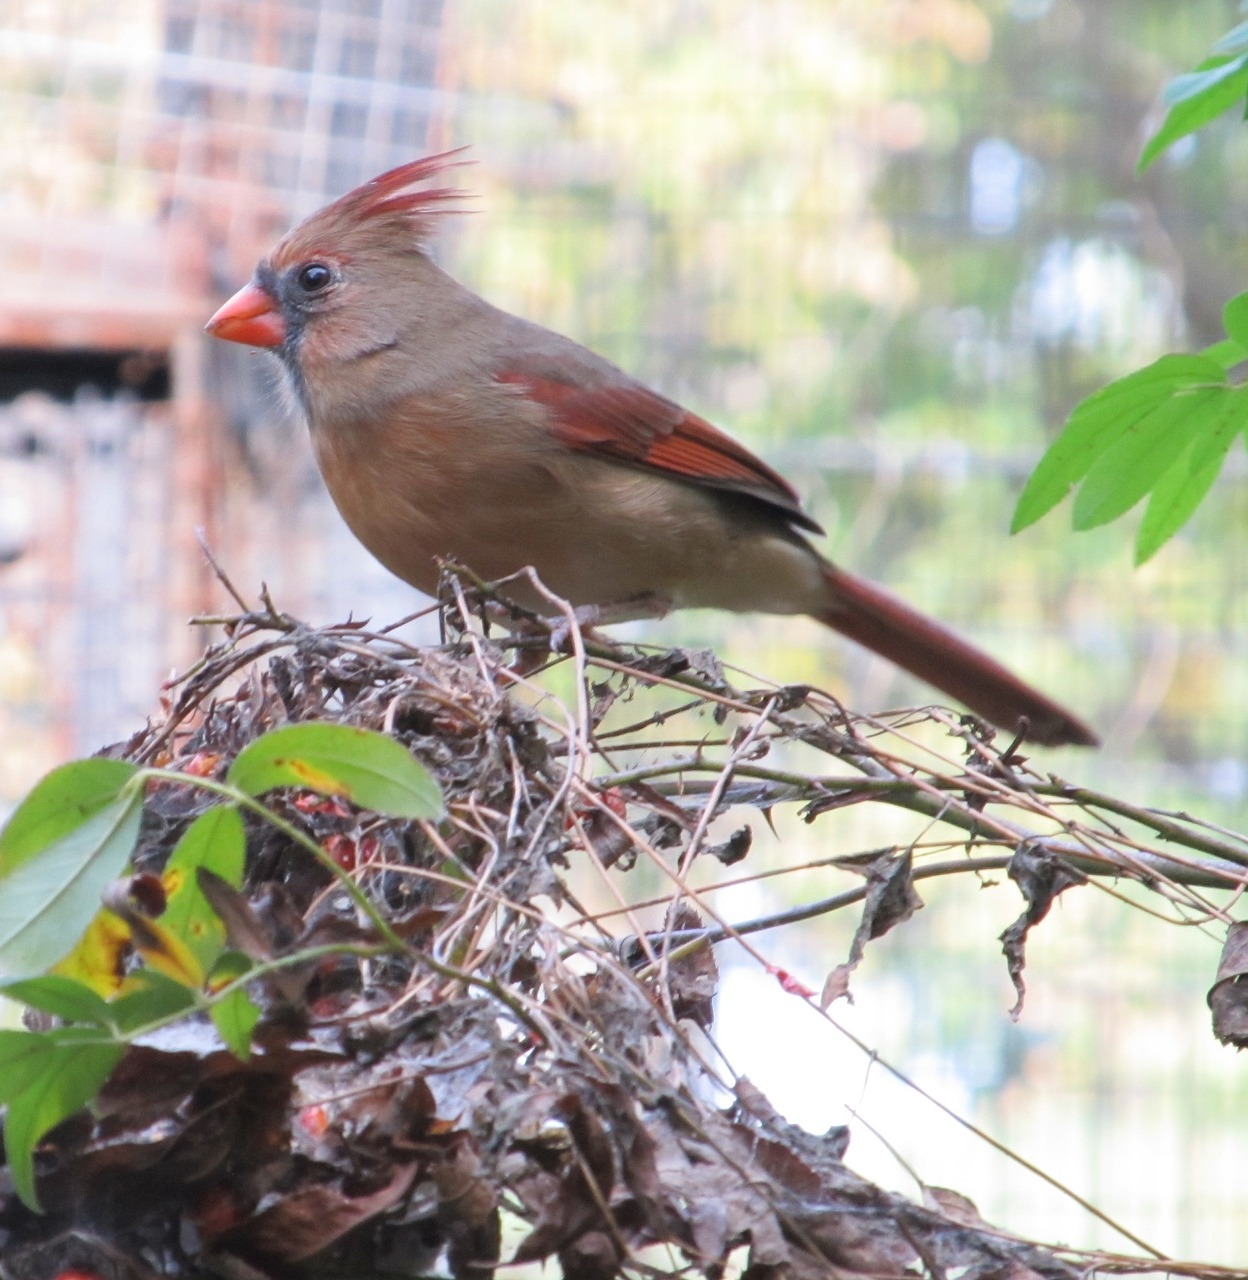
874	618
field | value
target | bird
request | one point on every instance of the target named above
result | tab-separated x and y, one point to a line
448	429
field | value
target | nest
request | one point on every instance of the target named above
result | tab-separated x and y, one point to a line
526	1079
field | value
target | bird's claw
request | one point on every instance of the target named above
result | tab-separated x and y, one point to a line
587	618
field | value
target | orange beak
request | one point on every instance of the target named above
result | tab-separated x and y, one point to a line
251	317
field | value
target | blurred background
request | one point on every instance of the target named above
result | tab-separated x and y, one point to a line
889	245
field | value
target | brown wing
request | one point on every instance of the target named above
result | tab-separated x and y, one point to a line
641	427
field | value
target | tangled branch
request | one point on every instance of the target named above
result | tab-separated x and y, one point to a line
531	1057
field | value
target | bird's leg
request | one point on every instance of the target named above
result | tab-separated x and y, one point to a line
585	619
588	617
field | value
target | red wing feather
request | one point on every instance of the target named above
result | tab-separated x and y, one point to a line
639	426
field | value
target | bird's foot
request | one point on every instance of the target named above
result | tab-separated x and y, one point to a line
587	618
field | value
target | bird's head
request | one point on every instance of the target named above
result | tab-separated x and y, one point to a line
346	282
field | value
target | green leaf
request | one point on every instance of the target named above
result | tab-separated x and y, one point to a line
367	768
150	997
215	841
73	1071
1181	489
230	966
1235	40
48	901
1098	422
235	1017
62	997
1194	84
1126	471
1235	319
1227	353
61	801
1068	459
1213	442
1214	87
24	1056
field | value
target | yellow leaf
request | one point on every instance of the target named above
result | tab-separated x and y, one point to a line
98	961
165	952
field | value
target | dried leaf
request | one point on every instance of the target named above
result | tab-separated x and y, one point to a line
720	1206
1041	877
693	979
836	986
1228	997
954	1206
891	899
592	1256
735	848
474	1250
568	1193
310	1218
244	930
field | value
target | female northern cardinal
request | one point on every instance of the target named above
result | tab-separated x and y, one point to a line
445	427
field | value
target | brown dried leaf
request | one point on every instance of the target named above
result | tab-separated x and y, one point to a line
954	1206
645	794
735	848
1041	877
591	1141
463	1195
718	1205
592	1256
891	899
311	1218
474	1251
836	986
567	1204
1228	997
468	1208
605	695
244	929
693	979
823	1152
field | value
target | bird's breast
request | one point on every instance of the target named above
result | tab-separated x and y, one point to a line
481	480
433	480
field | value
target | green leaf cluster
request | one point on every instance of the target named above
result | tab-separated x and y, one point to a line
75	834
1162	432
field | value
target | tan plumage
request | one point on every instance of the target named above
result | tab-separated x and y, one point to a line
445	427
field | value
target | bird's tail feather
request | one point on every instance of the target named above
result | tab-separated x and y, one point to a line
887	626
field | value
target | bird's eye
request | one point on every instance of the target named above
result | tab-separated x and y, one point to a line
314	277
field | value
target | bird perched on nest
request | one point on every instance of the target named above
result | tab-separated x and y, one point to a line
446	428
